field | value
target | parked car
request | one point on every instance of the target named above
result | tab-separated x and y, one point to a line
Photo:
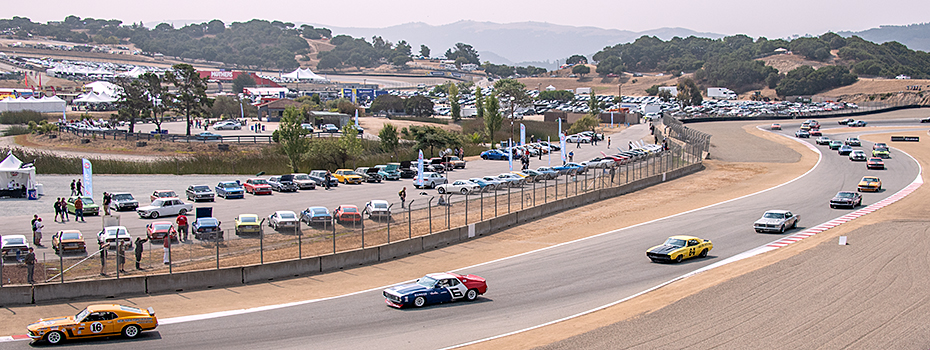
577	138
90	208
207	136
304	182
378	209
406	169
846	199
348	176
494	154
199	193
678	248
458	186
227	125
430	180
497	182
128	321
111	234
161	194
482	184
160	229
870	184
247	223
330	128
11	244
229	189
548	172
368	174
389	171
875	163
436	288
282	219
257	185
283	183
456	162
164	207
513	179
121	201
776	221
344	213
68	240
320	177
207	229
316	215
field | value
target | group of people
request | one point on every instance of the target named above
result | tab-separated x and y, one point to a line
61	209
76	188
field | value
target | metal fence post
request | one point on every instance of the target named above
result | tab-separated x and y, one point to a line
508	200
61	263
522	195
261	244
334	237
495	199
466	208
448	207
546	191
300	232
429	210
217	254
409	225
362	220
534	193
481	215
390	217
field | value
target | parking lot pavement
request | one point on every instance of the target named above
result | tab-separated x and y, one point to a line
19	211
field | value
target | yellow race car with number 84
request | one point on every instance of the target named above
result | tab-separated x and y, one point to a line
678	248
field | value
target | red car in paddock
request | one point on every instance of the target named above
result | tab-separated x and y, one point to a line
436	288
159	229
344	213
257	186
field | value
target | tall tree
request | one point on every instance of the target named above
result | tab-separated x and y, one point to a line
576	59
492	116
424	51
594	107
419	106
157	95
132	100
479	102
513	93
350	142
292	137
242	81
388	136
456	111
581	70
190	97
465	51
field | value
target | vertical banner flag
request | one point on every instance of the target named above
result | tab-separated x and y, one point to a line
88	188
562	145
241	111
611	119
549	143
522	134
356	117
64	113
420	169
510	153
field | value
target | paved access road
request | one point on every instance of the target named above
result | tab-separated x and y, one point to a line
20	211
540	287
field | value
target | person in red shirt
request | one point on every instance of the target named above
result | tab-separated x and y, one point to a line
182	227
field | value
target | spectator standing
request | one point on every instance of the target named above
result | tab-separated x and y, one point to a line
403	196
79	188
167	250
138	250
182	227
608	142
594	136
32	224
121	256
30	265
327	179
64	209
57	206
106	203
73	193
103	258
37	232
78	209
571	155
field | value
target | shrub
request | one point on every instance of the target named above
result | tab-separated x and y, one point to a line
21	117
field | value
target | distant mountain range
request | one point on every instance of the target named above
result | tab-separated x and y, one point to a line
526	43
914	36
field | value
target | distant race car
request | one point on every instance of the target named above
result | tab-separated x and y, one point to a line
802	134
857	155
823	140
846	199
678	248
853	141
436	288
870	184
93	322
206	135
881	153
776	126
925	120
835	145
846	121
875	163
845	150
776	221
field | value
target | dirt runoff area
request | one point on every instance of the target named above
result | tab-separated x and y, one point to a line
729	180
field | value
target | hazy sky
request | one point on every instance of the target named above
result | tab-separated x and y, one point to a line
772	19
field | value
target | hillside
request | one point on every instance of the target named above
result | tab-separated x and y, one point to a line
914	36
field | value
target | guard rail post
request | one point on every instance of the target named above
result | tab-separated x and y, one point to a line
429	210
466	206
508	200
390	217
362	220
481	215
300	232
409	225
448	208
261	243
217	253
334	237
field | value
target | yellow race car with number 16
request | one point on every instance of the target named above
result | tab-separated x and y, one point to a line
678	248
95	321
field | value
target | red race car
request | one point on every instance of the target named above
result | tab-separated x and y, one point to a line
257	186
159	229
345	213
875	163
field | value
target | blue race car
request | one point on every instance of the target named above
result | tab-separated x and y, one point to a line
229	189
494	154
436	288
316	215
569	167
207	229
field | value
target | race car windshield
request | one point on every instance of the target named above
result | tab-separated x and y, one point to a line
260	182
228	185
319	211
350	210
675	242
302	177
427	282
870	179
201	188
845	195
774	216
81	315
87	200
381	205
288	216
14	241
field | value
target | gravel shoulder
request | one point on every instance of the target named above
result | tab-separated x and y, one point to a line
718	182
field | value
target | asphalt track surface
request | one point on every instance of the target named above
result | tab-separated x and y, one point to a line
537	287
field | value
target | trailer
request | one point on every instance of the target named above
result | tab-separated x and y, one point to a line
721	93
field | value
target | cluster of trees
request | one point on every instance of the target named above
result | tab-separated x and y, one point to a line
463	53
503	70
805	80
556	95
148	95
420	106
886	60
359	53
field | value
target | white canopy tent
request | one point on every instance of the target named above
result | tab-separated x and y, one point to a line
303	74
135	72
42	105
103	87
12	169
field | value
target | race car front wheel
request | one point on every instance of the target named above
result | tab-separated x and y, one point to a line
703	253
419	301
54	337
471	295
131	331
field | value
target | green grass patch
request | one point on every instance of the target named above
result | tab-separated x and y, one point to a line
16	130
21	117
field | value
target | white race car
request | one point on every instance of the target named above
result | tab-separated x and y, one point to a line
776	221
459	186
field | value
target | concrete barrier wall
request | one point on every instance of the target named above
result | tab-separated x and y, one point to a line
193	280
280	270
400	249
348	259
15	295
99	289
169	283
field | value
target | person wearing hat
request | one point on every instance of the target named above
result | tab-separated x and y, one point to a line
30	265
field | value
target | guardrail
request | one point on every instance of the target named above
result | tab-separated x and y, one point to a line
830	114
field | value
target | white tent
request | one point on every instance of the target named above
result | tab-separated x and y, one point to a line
12	169
303	74
550	88
103	87
135	72
43	105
